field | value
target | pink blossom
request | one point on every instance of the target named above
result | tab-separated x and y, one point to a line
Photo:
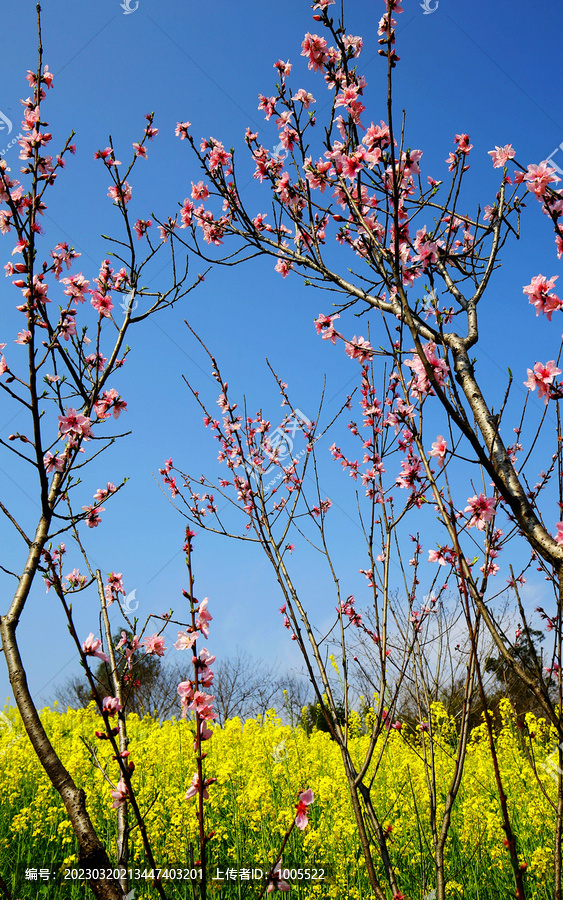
441	556
5	216
501	155
463	145
193	790
108	157
489	214
324	324
439	448
181	130
203	617
111	705
23	337
102	303
120	794
539	295
315	48
122	641
268	104
203	664
75	579
559	535
284	68
303	96
186	693
202	704
491	569
92	517
53	463
76	287
359	349
353	163
75	424
323	507
186	213
218	157
482	509
149	130
186	640
277	883
205	734
121	193
420	383
106	401
539	177
102	493
283	266
155	645
305	800
141	226
114	586
199	191
47	77
91	647
20	246
354	44
541	377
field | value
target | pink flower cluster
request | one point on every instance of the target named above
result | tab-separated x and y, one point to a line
420	383
192	697
482	511
542	378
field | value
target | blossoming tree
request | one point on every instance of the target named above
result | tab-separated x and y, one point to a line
429	427
417	265
59	370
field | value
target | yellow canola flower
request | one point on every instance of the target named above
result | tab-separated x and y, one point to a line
261	766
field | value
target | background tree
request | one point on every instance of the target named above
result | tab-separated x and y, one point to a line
527	655
149	687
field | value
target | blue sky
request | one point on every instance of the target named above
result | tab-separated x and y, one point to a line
480	68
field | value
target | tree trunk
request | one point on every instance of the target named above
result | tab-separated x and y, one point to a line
91	854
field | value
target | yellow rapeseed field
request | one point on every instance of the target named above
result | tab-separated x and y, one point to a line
260	767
